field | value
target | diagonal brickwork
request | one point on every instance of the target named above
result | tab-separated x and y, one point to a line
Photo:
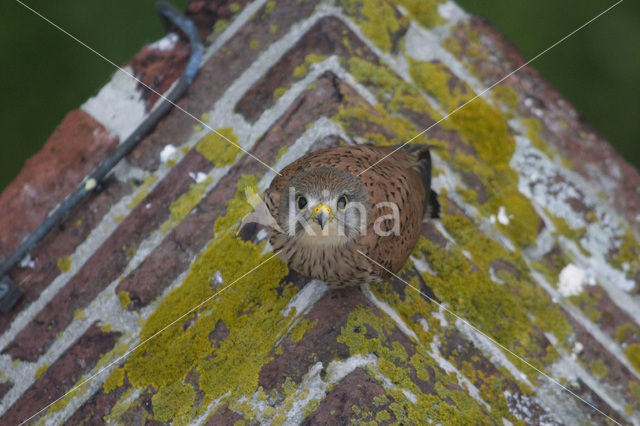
527	189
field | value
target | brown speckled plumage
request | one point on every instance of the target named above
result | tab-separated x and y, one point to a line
403	178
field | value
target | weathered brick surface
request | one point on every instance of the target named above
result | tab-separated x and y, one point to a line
384	353
105	264
60	242
72	151
62	374
357	390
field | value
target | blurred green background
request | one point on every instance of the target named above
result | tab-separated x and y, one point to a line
44	73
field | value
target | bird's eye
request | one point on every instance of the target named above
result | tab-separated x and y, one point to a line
301	202
342	202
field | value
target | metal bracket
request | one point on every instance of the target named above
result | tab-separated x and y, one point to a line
9	291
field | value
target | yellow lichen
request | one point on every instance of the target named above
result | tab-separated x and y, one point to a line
125	299
301	328
254	44
424	11
393	364
625	331
628	253
273	28
79	314
234	7
377	19
505	95
598	368
181	207
632	353
588	303
563	228
142	192
165	360
312	58
534	127
114	381
390	89
277	94
268	8
41	370
121	407
64	263
220	26
634	389
480	124
283	150
172	400
220	148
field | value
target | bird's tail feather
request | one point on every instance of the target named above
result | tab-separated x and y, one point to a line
423	167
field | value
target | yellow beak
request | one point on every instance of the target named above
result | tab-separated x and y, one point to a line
322	214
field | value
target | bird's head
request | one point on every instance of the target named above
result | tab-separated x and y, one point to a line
325	204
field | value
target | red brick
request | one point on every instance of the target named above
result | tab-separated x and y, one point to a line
62	375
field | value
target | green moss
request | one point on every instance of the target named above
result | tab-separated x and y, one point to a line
234	7
598	368
254	44
273	28
125	299
632	353
625	331
64	263
114	381
277	94
41	370
377	19
142	192
424	11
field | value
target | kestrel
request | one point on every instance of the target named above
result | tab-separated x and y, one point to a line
326	212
